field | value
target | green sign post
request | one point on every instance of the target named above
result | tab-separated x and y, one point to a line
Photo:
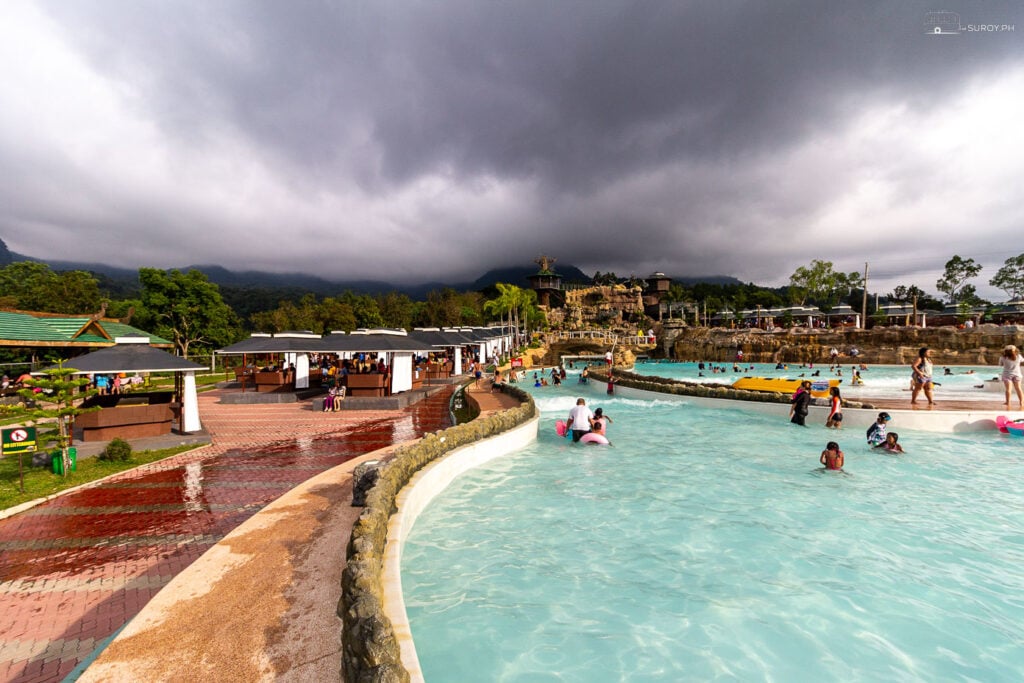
19	440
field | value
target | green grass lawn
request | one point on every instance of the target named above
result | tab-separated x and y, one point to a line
40	482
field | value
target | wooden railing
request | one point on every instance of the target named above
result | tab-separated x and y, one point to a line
600	336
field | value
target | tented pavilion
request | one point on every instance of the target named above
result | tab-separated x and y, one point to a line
396	347
295	348
134	354
292	349
451	341
491	342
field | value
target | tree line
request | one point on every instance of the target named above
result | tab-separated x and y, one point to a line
196	314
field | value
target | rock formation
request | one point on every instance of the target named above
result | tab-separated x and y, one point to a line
887	345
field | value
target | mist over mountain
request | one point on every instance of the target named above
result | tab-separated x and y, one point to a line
124	281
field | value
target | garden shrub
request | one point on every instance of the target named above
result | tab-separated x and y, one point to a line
117	450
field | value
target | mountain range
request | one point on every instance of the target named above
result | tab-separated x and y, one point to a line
126	280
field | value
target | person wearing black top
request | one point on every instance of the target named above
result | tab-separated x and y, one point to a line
800	402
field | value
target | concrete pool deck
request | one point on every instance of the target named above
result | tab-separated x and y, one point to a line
75	569
261	603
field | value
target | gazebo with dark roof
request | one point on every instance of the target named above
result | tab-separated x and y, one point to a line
397	344
134	354
294	345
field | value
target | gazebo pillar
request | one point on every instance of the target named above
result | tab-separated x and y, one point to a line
457	370
301	361
190	405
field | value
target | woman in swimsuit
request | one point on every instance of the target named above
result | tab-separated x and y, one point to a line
835	415
921	377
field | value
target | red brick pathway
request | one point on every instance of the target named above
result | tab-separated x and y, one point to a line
76	569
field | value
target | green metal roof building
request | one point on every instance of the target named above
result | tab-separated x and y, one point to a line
46	330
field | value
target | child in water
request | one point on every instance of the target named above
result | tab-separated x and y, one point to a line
832	457
891	443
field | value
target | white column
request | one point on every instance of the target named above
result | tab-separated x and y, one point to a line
401	372
457	370
190	405
301	371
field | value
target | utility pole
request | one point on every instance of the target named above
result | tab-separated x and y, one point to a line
864	307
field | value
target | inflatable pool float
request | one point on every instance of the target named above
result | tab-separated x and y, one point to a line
819	387
1008	426
591	437
560	428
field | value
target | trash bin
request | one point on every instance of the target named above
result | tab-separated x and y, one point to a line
58	462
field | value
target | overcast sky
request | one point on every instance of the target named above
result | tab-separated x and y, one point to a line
424	139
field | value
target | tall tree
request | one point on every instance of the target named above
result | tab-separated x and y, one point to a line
821	283
958	272
396	310
442	309
365	308
187	309
336	315
77	291
1010	278
32	286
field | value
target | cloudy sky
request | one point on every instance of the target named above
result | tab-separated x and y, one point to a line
419	139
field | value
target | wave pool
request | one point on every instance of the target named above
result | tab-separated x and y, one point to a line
710	544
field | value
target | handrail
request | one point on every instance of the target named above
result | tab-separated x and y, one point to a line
603	336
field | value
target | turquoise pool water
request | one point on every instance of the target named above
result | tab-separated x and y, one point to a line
709	544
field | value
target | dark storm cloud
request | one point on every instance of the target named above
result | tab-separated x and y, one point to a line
682	134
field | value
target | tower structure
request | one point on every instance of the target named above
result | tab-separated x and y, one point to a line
546	282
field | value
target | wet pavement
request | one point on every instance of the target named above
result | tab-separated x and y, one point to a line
74	570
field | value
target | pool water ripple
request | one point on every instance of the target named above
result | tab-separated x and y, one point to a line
710	544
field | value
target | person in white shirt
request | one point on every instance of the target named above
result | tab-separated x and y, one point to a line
580	419
1010	362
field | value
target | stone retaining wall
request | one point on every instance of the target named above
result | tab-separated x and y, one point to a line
370	650
889	345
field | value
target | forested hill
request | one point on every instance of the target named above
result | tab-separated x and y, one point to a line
6	257
125	281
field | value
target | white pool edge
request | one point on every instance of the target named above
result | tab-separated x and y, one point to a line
936	420
424	486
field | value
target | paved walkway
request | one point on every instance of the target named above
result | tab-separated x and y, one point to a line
260	605
76	569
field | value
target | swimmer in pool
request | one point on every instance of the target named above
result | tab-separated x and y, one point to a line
891	443
832	457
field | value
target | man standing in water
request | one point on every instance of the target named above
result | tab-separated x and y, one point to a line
579	420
